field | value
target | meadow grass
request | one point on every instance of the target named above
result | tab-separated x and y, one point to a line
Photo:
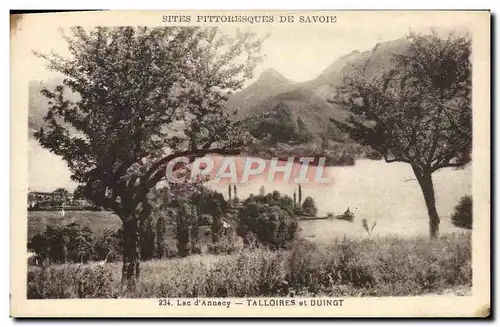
386	266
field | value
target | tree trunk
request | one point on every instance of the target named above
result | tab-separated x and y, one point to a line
131	253
425	181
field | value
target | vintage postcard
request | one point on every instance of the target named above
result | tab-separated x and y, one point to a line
250	164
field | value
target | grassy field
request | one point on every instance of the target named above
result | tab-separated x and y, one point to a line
98	221
387	266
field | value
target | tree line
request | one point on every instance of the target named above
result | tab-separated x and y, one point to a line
189	223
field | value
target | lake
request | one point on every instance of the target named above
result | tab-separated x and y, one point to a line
375	190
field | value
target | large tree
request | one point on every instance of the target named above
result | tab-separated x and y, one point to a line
145	97
419	112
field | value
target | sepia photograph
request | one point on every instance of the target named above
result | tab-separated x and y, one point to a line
234	161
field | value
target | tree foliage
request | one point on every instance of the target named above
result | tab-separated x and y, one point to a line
78	193
64	193
269	218
462	215
183	224
273	199
419	112
161	235
309	207
271	225
137	87
145	97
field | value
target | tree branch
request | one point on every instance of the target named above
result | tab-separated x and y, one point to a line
448	164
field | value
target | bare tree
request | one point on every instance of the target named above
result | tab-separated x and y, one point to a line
419	112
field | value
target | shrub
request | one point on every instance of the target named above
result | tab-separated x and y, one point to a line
269	223
373	155
273	199
63	243
205	220
462	216
345	160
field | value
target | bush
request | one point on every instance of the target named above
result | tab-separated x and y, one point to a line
64	243
269	223
205	220
462	216
273	199
208	202
225	245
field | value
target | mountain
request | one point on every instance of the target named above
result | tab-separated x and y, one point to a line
332	75
371	62
296	114
301	112
269	83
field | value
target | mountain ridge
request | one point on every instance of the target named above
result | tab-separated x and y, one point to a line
300	116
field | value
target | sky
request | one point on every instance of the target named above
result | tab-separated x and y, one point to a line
300	52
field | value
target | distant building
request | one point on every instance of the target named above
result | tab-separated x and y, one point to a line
45	196
37	198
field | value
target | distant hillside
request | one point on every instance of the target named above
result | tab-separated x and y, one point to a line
269	84
38	103
372	63
296	114
301	113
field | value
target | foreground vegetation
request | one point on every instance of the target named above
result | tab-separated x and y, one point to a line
369	267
